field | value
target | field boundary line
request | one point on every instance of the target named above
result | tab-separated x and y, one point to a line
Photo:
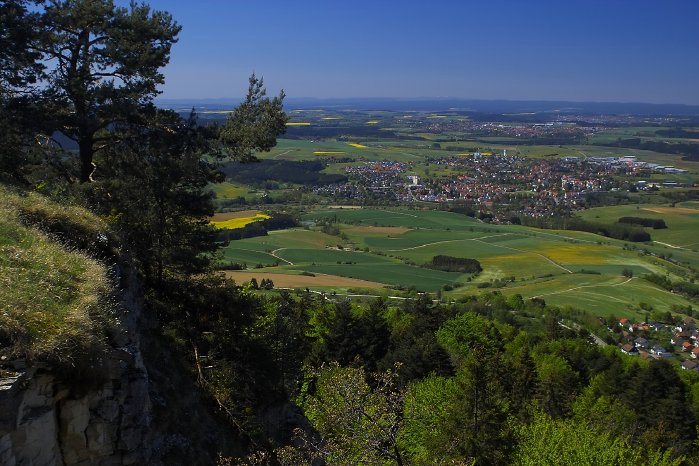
274	254
276	157
425	245
402	213
582	286
447	241
672	246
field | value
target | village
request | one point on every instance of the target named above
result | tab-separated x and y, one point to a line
500	183
659	340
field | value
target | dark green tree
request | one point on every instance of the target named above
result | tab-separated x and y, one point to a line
340	343
556	384
153	192
414	345
356	336
373	333
19	65
659	397
104	66
476	427
19	71
254	125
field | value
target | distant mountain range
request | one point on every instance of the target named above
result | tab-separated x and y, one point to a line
444	104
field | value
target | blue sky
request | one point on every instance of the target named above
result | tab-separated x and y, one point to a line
580	50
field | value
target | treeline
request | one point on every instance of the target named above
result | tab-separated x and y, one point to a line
298	172
689	289
689	150
655	223
454	264
625	232
607	198
679	133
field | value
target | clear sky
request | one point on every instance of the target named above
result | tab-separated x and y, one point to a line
579	50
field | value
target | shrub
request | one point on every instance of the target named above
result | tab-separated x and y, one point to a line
454	264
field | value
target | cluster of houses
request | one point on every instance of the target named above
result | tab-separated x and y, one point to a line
638	340
533	187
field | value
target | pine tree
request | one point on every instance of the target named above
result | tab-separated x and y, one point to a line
105	67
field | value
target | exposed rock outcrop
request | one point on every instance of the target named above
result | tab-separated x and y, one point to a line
47	422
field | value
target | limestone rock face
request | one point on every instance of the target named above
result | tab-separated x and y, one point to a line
45	422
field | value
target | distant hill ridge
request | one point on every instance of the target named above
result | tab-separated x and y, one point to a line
443	104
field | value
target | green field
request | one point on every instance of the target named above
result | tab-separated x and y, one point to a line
227	190
681	220
301	149
565	268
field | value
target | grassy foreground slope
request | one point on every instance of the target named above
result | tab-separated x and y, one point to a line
53	300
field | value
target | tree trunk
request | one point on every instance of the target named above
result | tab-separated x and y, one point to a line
87	168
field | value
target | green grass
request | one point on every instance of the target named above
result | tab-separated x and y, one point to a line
397	217
599	294
247	256
386	149
228	190
53	301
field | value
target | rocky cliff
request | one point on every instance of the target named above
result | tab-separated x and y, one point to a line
130	399
46	421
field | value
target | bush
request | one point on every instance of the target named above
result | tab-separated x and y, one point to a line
454	264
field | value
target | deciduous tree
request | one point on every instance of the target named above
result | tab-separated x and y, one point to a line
359	422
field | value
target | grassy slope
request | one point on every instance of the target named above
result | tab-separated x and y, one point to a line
52	299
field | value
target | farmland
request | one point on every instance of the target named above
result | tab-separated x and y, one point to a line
233	220
385	247
357	159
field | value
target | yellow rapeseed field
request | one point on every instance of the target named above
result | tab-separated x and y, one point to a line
239	222
298	123
358	146
372	122
328	152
